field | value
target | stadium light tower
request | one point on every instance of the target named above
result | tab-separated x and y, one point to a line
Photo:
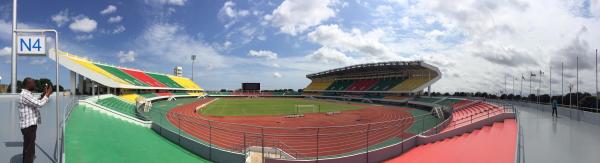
193	59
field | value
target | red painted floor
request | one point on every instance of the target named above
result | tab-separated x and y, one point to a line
491	144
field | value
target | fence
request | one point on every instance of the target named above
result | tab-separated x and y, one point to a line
219	140
231	142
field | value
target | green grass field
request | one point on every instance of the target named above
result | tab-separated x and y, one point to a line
271	106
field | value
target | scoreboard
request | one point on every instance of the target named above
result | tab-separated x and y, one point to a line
251	86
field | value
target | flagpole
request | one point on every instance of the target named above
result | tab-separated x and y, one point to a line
550	81
513	87
530	78
522	78
596	80
577	84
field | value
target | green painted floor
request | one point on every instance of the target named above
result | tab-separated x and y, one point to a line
92	136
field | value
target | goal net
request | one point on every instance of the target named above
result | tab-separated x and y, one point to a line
307	108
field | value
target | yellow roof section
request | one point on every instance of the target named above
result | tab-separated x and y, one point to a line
89	65
185	82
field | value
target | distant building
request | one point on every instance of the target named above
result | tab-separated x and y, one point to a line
3	88
177	71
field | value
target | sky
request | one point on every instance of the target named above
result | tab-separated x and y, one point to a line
475	43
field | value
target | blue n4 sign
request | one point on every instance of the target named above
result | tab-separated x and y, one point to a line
31	45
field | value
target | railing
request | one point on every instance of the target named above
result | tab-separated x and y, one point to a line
301	143
71	104
520	152
495	109
310	143
574	106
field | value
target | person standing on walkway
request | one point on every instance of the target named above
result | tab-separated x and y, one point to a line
554	108
29	115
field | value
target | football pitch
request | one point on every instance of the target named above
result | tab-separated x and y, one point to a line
272	106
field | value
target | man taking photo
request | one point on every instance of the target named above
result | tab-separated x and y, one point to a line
29	115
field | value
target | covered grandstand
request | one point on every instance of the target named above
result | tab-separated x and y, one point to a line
90	78
374	80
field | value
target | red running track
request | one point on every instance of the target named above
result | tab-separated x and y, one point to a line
491	144
296	136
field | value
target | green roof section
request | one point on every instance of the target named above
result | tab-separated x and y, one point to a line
120	74
165	80
94	137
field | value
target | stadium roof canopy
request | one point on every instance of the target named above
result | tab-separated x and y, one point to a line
120	77
382	66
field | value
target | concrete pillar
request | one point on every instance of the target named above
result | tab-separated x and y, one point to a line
73	81
81	84
429	90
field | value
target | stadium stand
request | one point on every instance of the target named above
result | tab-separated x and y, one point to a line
116	72
362	85
386	83
185	82
143	77
113	77
374	80
318	85
495	144
96	69
449	101
165	80
410	84
164	94
340	85
119	105
129	97
148	95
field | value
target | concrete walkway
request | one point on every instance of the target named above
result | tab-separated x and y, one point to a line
563	139
10	133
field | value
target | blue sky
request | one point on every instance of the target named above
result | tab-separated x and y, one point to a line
278	42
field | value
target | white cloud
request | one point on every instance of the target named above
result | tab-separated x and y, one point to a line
115	19
125	57
119	29
595	8
263	54
226	44
109	9
363	44
296	16
329	55
168	2
5	51
229	14
61	18
38	61
6	29
83	24
84	37
277	75
160	39
229	11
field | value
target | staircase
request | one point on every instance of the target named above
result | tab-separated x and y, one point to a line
493	144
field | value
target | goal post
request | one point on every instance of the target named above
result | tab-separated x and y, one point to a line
307	108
